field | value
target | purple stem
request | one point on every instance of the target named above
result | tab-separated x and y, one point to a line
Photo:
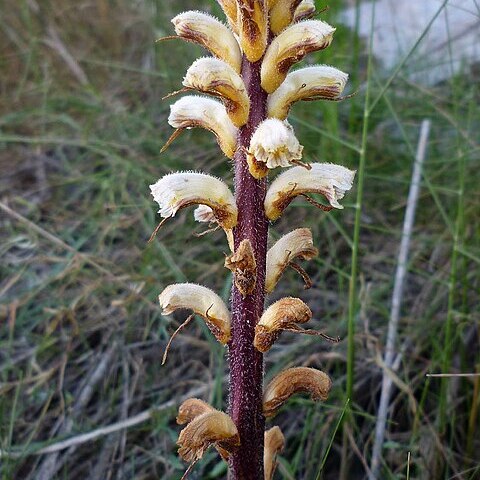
246	363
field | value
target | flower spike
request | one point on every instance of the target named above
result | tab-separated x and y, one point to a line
179	190
282	14
203	302
295	380
327	179
274	443
296	244
194	111
290	47
318	82
273	144
304	11
210	33
215	77
253	27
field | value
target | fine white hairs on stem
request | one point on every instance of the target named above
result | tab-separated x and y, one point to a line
210	33
273	144
195	111
282	14
274	444
215	77
304	11
327	179
296	244
253	27
283	316
292	381
319	82
290	47
179	190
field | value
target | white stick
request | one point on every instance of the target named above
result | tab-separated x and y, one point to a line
397	298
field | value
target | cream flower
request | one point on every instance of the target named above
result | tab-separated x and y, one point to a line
194	111
319	82
203	302
215	77
281	14
273	144
179	190
296	244
210	33
290	47
327	179
305	10
253	27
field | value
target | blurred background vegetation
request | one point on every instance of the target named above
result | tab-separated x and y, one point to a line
81	127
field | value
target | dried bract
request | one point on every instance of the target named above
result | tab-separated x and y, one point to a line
215	77
195	111
211	428
319	82
329	180
293	245
179	190
290	47
274	444
253	27
292	381
203	302
210	33
273	144
304	11
282	14
244	267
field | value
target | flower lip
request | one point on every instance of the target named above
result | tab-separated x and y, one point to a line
273	144
305	10
318	82
215	77
210	33
196	111
181	189
291	46
329	180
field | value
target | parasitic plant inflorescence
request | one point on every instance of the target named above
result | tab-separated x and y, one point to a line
249	75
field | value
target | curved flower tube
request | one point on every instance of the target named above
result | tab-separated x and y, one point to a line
210	33
230	8
327	179
282	14
274	443
215	77
294	43
195	111
253	27
319	82
292	381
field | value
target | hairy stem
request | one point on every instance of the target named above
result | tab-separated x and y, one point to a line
246	363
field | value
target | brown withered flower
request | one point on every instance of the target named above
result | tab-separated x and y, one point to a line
274	444
244	267
292	381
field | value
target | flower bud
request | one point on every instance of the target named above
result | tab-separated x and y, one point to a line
230	9
210	33
215	77
203	302
211	428
244	267
296	244
194	111
274	443
282	315
290	47
327	179
318	82
273	144
304	11
191	409
253	27
292	381
281	14
179	190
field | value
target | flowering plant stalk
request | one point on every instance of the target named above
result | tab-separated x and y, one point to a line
249	76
